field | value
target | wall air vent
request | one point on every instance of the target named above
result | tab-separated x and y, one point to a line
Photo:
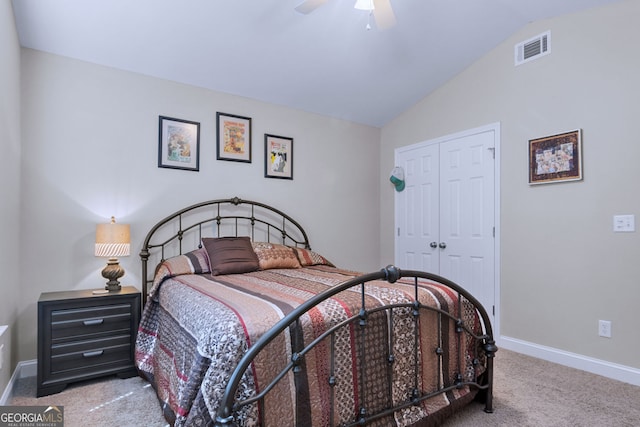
533	48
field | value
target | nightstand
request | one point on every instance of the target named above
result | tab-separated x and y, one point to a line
83	336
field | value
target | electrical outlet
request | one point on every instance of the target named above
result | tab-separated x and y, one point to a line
604	328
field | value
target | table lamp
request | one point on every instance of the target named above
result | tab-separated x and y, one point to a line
112	241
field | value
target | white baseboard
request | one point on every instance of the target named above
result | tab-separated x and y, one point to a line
24	369
611	370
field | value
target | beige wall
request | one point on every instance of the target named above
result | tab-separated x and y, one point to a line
562	267
91	138
10	178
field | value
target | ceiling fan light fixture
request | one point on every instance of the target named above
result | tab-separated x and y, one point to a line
364	5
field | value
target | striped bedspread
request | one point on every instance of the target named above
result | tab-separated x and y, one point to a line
195	328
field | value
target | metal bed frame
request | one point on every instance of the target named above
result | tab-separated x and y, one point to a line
245	217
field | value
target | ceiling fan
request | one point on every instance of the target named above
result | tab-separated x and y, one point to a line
380	9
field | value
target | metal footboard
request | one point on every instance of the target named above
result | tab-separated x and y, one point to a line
483	350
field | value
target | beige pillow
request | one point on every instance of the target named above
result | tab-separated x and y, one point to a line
272	255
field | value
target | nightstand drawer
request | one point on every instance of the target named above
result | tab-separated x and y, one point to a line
88	346
90	320
91	354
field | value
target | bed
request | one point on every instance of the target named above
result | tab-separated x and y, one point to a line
244	324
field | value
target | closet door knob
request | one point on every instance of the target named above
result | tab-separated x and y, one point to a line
442	245
433	245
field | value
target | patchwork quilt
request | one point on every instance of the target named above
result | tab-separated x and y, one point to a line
195	328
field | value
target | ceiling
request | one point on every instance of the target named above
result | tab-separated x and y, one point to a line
325	62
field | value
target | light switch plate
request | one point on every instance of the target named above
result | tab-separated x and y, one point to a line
624	223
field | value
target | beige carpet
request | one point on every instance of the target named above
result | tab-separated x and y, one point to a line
109	401
533	392
527	392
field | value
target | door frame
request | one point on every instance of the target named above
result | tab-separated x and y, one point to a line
495	127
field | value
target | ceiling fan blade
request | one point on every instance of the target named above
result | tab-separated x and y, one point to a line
309	6
383	13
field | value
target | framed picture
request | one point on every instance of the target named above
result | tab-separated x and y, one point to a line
556	158
234	138
278	157
178	144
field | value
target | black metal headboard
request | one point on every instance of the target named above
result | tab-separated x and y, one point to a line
183	230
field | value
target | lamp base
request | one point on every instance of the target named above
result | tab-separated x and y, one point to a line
113	272
112	287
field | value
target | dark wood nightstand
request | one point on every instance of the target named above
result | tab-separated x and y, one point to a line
83	336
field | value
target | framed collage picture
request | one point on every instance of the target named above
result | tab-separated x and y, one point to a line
278	153
556	158
178	144
234	138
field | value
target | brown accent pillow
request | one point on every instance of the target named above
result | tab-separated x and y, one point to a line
308	257
230	255
272	255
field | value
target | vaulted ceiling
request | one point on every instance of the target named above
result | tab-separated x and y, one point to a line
325	62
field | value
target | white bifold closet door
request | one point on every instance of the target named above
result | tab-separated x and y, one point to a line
444	218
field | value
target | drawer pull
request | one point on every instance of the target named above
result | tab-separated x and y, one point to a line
93	322
93	353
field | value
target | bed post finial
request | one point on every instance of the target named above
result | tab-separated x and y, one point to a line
391	273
